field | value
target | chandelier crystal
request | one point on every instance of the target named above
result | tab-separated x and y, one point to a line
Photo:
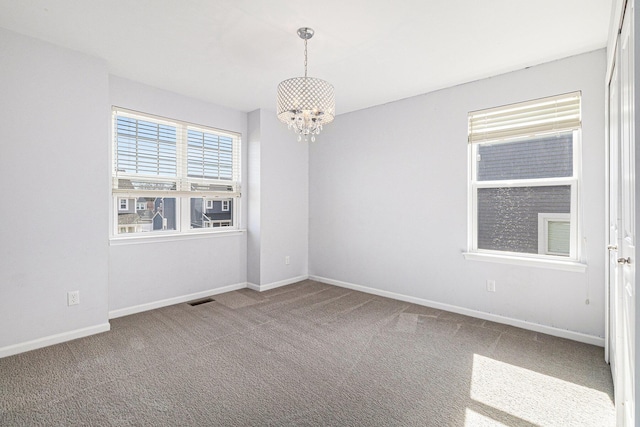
305	104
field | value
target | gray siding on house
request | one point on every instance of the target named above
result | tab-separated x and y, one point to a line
131	204
199	211
508	217
167	208
547	157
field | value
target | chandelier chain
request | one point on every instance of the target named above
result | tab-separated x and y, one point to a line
305	58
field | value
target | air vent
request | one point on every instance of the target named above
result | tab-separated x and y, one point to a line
200	301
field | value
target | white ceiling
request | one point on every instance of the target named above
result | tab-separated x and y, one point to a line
235	52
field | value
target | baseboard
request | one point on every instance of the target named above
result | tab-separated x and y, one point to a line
13	349
273	285
536	327
113	314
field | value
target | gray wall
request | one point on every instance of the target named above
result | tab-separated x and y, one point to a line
174	268
389	202
279	194
54	171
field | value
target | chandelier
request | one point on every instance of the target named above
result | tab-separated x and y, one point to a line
306	103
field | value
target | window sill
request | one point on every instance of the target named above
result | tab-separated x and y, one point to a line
527	262
170	237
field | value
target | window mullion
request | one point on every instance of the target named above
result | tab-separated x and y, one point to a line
473	198
184	202
545	182
474	217
574	248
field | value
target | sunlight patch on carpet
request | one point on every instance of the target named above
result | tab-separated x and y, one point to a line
535	397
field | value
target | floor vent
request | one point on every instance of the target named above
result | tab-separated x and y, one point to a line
200	301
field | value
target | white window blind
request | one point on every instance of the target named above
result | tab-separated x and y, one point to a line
163	157
559	237
559	113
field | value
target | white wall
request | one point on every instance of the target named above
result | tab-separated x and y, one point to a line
388	201
143	274
54	174
279	187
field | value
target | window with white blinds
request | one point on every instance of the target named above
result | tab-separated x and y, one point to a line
209	155
524	181
163	165
146	148
554	114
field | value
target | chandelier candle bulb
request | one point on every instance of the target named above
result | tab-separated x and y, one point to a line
305	104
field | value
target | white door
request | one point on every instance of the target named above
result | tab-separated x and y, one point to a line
614	215
622	234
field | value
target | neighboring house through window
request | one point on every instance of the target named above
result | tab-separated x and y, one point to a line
166	169
554	234
524	163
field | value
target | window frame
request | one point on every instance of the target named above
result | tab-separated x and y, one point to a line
183	192
573	262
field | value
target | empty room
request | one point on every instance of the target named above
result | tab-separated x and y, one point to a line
364	213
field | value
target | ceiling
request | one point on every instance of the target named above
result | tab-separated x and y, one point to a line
235	52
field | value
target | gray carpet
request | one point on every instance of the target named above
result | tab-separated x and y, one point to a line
308	354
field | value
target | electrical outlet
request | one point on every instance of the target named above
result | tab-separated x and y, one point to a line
287	260
73	298
491	285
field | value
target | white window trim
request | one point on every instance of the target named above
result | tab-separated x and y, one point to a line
225	206
183	225
571	263
555	263
209	204
171	236
123	207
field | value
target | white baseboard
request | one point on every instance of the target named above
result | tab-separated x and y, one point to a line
113	314
549	330
10	350
273	285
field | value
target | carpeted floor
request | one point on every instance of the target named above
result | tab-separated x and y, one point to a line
308	354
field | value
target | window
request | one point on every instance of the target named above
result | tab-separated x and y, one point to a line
524	163
225	205
168	168
554	234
